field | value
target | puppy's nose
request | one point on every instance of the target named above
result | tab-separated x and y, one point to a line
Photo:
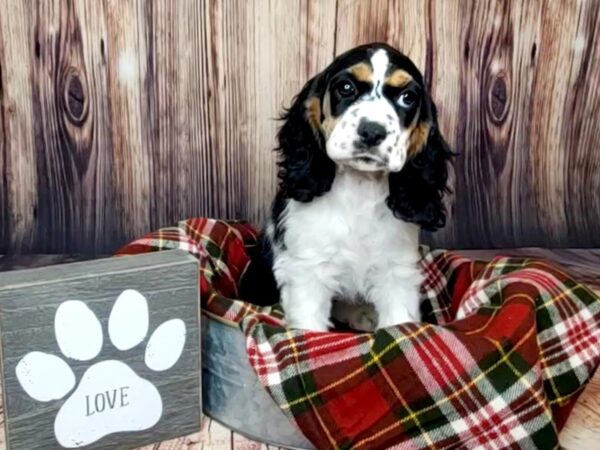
371	133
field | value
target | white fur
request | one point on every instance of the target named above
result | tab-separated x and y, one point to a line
391	153
380	62
347	245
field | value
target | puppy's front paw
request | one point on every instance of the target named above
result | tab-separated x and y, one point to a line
306	309
359	317
364	318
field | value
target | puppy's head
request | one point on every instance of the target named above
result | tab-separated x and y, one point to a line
369	111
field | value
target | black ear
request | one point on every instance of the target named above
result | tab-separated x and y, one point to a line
416	192
305	170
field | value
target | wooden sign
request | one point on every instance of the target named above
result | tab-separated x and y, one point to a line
101	354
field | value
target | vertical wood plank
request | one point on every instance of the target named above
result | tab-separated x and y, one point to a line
551	92
352	19
581	133
97	193
176	103
492	184
226	35
4	206
19	155
566	105
132	141
252	76
280	72
72	126
443	68
409	30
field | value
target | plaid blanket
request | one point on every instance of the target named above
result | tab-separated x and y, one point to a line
504	376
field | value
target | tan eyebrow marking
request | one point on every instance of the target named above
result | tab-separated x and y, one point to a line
398	78
362	72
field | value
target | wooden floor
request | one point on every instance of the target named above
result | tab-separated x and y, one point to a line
582	431
213	436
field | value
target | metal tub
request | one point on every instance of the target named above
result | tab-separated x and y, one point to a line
232	394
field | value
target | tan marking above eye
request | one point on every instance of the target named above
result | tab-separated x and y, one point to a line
398	78
362	72
418	138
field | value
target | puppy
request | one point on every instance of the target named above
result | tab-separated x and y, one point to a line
363	167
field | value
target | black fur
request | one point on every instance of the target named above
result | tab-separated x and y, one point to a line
305	170
258	285
416	192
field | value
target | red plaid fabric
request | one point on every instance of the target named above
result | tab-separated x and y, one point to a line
502	377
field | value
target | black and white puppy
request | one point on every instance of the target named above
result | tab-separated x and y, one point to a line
363	167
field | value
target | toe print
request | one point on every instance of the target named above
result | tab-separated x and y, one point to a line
52	383
161	357
78	332
125	333
110	397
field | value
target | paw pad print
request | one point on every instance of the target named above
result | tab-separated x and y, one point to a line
110	396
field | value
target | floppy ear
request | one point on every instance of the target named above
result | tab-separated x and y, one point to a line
305	170
416	191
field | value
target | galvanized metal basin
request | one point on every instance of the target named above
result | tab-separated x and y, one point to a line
232	394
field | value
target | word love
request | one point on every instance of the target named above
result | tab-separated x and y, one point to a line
107	400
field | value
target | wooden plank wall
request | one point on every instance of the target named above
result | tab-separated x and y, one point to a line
120	116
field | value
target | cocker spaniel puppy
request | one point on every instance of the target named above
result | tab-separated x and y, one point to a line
362	168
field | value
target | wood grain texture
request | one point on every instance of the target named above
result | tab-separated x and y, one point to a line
28	303
17	141
213	436
251	76
582	430
118	117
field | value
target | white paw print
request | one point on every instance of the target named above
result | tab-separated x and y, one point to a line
110	397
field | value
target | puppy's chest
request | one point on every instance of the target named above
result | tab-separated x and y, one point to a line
350	226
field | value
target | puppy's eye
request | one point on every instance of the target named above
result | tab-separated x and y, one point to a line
345	89
407	100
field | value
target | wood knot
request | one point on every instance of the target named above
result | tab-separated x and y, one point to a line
498	98
75	99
